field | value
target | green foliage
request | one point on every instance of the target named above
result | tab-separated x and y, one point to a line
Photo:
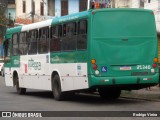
3	18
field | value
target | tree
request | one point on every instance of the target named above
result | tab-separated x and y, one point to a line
3	18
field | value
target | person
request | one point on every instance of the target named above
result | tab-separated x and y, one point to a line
103	4
92	4
96	4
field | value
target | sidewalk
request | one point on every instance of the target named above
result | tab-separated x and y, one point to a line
153	95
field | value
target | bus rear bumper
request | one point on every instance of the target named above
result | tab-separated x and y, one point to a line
124	82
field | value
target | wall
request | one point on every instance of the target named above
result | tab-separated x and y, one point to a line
12	11
51	7
122	3
25	18
73	6
135	4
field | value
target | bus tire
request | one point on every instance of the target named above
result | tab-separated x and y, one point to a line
20	90
56	89
109	93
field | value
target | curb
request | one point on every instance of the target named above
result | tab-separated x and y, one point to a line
143	94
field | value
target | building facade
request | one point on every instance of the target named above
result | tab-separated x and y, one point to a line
122	3
64	7
28	11
9	13
11	9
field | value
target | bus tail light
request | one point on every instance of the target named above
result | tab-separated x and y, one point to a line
93	61
154	65
155	60
95	66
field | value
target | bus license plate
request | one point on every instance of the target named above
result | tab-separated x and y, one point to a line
125	68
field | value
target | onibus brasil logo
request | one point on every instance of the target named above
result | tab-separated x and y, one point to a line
33	64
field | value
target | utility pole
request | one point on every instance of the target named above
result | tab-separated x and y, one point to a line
9	19
113	3
88	4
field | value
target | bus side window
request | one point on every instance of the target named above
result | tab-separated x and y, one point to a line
43	40
69	38
82	35
32	42
7	48
55	42
23	46
15	41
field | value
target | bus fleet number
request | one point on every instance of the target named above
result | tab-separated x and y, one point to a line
142	67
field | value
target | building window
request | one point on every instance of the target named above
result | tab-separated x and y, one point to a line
11	1
33	7
64	7
51	7
42	9
82	5
24	6
142	3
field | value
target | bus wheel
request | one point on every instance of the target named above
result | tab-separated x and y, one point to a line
109	93
56	88
20	91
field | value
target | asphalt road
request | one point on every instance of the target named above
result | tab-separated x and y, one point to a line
37	100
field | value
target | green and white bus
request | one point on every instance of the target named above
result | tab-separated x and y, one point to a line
104	50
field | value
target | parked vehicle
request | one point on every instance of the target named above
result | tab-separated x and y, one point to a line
1	69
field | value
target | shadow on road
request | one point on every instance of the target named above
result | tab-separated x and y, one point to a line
80	98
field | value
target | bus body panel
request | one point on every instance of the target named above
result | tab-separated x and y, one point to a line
72	67
37	25
8	78
35	69
127	48
125	82
73	75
